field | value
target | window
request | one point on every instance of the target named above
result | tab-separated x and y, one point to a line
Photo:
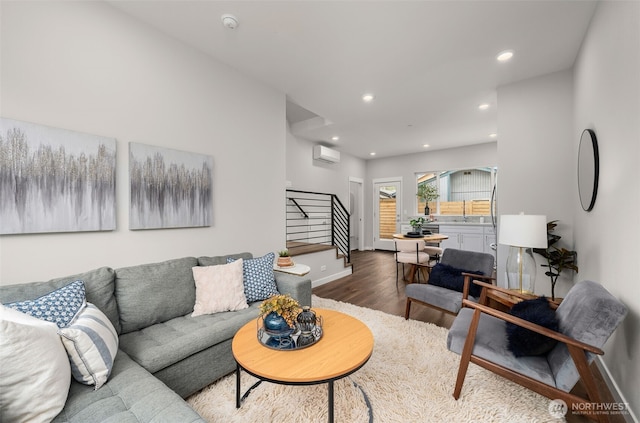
459	192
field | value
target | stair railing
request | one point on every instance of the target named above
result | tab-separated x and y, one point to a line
318	218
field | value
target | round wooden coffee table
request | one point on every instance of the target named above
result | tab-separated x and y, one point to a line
346	345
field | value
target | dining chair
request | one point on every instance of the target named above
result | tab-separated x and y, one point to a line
434	252
409	251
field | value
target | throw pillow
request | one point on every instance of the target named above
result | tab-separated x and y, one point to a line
259	281
523	341
91	342
219	288
35	369
451	277
59	306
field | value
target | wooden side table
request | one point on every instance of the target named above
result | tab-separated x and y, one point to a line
502	301
297	269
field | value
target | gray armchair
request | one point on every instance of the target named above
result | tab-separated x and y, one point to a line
587	317
445	299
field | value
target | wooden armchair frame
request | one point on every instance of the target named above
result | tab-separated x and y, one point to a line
577	350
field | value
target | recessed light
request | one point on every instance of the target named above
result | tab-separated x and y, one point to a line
373	153
335	138
493	135
504	56
426	145
483	106
367	98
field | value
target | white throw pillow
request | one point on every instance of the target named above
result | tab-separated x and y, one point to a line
92	344
219	288
34	368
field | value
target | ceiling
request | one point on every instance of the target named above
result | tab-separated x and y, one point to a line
428	63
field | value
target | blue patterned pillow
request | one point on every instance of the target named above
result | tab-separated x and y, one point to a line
59	306
257	277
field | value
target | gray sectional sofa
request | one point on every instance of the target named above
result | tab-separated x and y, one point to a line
165	354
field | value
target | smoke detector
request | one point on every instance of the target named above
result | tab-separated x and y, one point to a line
229	21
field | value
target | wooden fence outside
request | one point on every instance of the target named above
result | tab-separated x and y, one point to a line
387	217
447	208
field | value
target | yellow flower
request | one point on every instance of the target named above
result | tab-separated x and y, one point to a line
283	305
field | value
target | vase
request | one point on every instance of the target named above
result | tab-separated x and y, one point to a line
426	210
306	319
273	322
306	338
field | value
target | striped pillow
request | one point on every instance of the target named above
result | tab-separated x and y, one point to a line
91	343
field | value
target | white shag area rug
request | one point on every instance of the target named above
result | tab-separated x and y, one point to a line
409	378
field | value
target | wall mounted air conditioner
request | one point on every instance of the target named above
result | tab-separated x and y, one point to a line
325	154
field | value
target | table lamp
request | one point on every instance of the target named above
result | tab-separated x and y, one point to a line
522	232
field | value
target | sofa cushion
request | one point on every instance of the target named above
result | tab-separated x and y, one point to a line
91	342
219	288
259	281
161	345
215	260
99	290
59	306
35	373
131	395
153	293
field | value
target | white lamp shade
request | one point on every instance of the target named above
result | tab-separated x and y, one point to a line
523	230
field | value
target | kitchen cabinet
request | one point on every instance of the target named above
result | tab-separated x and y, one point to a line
463	237
489	240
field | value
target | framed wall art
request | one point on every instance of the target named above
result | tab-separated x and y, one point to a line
169	188
55	180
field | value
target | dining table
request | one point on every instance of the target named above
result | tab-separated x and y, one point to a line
430	238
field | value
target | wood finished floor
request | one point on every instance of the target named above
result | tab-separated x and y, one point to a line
373	285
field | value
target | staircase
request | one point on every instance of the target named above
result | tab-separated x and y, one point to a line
317	227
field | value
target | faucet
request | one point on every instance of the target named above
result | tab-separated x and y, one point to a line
464	211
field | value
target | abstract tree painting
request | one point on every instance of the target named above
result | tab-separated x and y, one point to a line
169	188
55	180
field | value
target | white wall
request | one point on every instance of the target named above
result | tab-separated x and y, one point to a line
407	166
307	174
607	100
87	67
540	122
537	172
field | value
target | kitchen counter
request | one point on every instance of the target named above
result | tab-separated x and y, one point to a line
460	223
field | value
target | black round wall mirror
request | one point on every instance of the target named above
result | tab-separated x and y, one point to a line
588	169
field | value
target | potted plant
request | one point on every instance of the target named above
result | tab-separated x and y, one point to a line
416	224
279	313
283	259
558	258
427	193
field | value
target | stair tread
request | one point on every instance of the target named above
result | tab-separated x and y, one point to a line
300	248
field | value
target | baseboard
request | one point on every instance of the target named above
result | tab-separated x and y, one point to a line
330	278
629	417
